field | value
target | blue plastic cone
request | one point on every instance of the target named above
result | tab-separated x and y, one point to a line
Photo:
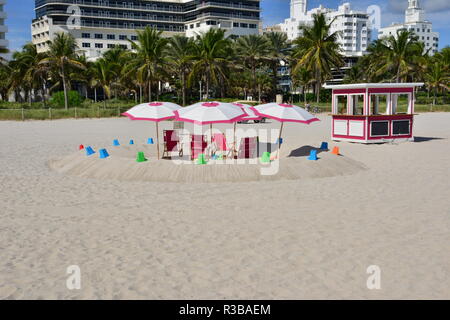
131	141
103	154
313	155
89	151
324	146
116	143
150	141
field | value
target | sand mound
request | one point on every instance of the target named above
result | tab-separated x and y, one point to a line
121	165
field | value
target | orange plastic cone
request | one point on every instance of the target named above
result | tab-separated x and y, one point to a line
335	151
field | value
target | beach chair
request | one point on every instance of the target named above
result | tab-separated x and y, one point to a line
248	148
171	143
198	145
220	145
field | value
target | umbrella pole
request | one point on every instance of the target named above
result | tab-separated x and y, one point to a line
234	143
211	138
279	140
157	138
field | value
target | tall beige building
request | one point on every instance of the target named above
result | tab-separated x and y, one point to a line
3	28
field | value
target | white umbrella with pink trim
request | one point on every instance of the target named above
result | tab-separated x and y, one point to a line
210	112
153	111
202	113
248	109
284	113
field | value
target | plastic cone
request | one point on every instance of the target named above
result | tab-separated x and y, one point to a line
313	155
89	151
140	157
324	146
116	143
335	151
201	159
265	157
131	141
150	141
103	154
81	147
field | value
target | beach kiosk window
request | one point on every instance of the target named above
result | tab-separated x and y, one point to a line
373	112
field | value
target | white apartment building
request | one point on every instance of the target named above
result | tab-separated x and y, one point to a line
3	28
415	21
354	26
104	24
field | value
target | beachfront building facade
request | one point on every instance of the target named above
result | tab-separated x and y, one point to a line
99	25
3	28
354	26
415	21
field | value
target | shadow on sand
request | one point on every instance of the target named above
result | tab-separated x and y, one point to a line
426	139
304	151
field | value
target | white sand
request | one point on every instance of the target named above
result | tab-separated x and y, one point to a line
309	232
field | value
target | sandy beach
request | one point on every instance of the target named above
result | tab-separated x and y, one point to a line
308	233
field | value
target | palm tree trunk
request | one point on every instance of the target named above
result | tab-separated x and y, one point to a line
183	88
319	84
207	87
95	94
149	91
66	100
140	93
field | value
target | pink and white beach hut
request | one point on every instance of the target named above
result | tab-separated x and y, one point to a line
373	112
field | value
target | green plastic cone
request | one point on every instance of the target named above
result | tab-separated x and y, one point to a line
265	157
140	157
201	159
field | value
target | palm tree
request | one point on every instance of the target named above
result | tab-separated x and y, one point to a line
180	59
252	51
279	51
318	50
436	78
62	56
149	60
104	74
210	55
303	77
117	57
399	52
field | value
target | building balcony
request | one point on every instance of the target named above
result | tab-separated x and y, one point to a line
4	43
3	29
124	5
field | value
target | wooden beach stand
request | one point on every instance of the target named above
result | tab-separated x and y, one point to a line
371	112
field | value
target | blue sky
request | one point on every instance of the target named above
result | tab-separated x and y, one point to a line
21	12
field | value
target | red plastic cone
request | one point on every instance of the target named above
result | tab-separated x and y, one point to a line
81	147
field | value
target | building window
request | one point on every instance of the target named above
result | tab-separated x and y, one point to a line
86	45
98	36
111	37
236	24
99	45
244	25
86	35
122	37
134	38
111	46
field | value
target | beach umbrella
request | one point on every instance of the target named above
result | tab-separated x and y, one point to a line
203	113
251	116
248	109
153	111
284	113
